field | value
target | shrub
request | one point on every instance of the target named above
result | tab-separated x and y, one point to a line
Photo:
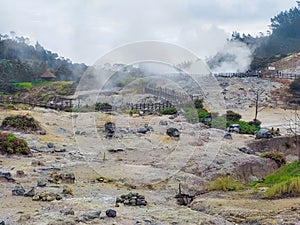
202	113
288	188
245	127
168	111
224	184
255	122
232	116
99	106
198	104
276	156
19	122
10	144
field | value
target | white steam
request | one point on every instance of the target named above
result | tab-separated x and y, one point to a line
235	56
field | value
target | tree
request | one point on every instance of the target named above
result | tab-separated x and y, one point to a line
257	98
293	125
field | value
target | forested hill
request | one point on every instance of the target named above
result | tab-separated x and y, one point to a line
282	39
21	62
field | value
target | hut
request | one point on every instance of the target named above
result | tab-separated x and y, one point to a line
47	76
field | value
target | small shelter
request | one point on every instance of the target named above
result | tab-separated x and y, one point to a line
47	76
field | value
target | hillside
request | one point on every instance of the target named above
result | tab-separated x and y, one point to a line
22	62
288	64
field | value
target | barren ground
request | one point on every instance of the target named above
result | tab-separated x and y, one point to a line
151	164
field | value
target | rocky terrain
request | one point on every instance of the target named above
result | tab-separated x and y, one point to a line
77	170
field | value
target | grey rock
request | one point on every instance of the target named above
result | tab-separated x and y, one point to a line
142	130
6	176
173	132
91	215
228	136
30	193
41	183
163	122
109	128
111	213
18	190
50	145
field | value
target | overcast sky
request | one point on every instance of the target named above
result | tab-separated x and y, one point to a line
84	30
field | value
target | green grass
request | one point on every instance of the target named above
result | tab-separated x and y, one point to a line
284	182
288	188
225	184
283	174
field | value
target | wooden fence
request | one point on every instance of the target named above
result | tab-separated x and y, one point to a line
174	96
149	106
58	104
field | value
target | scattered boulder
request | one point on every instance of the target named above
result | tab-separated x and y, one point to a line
67	211
228	136
62	178
41	183
2	223
30	193
50	145
110	129
116	150
67	190
111	213
247	151
132	199
173	132
46	197
20	173
91	215
18	190
142	130
6	176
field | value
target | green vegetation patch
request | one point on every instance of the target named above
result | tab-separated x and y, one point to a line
10	144
21	122
168	111
283	174
225	184
288	188
246	127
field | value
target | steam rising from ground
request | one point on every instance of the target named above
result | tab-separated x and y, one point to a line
235	56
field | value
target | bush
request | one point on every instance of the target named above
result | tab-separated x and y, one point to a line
10	144
168	111
198	104
103	106
19	122
202	113
225	184
245	127
255	122
232	116
276	156
289	188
